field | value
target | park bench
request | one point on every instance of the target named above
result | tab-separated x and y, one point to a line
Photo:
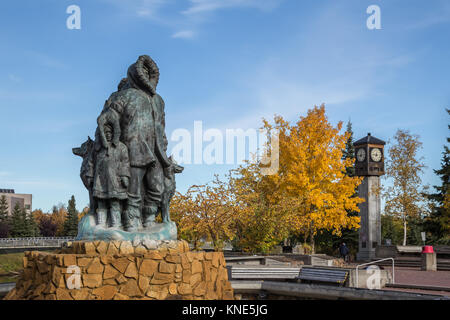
335	276
264	273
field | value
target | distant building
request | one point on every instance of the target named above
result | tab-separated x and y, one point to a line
12	198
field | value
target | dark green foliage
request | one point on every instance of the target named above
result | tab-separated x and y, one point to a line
437	225
32	226
19	227
3	210
22	224
329	244
391	228
415	228
349	236
71	223
349	152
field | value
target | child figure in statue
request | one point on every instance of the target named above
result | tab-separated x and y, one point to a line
111	178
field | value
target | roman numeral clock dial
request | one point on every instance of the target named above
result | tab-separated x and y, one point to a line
376	154
361	154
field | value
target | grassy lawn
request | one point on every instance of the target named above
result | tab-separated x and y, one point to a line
10	262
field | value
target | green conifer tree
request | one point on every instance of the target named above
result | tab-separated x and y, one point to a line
437	224
4	218
71	223
19	227
3	209
349	152
349	236
32	226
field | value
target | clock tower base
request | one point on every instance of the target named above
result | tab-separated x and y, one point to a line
370	213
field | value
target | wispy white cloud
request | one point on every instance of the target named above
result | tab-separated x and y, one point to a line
185	34
335	66
149	8
186	23
203	6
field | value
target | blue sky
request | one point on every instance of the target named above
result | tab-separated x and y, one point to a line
227	63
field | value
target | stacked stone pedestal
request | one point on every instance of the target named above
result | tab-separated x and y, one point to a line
120	270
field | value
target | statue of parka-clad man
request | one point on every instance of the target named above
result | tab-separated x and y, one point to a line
139	111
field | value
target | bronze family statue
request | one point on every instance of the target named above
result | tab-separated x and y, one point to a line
125	168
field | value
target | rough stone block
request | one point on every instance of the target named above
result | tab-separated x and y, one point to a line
165	267
140	250
70	260
195	278
155	255
173	289
131	271
126	248
130	289
88	248
105	292
110	272
148	267
63	294
102	247
184	289
121	264
143	283
83	262
81	294
200	289
112	249
95	266
187	276
215	260
92	280
196	267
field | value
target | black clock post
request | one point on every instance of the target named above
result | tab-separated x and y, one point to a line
370	165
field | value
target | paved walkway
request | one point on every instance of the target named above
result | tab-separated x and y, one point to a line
419	277
415	276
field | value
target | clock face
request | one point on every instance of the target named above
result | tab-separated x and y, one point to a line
361	155
376	155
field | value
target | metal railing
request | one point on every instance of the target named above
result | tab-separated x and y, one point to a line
34	242
374	262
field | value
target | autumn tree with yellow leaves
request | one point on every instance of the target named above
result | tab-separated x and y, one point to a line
260	222
404	198
310	191
311	183
205	212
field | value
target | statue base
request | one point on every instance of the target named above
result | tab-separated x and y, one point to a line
120	270
88	230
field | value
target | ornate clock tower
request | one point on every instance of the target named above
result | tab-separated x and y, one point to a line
370	165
